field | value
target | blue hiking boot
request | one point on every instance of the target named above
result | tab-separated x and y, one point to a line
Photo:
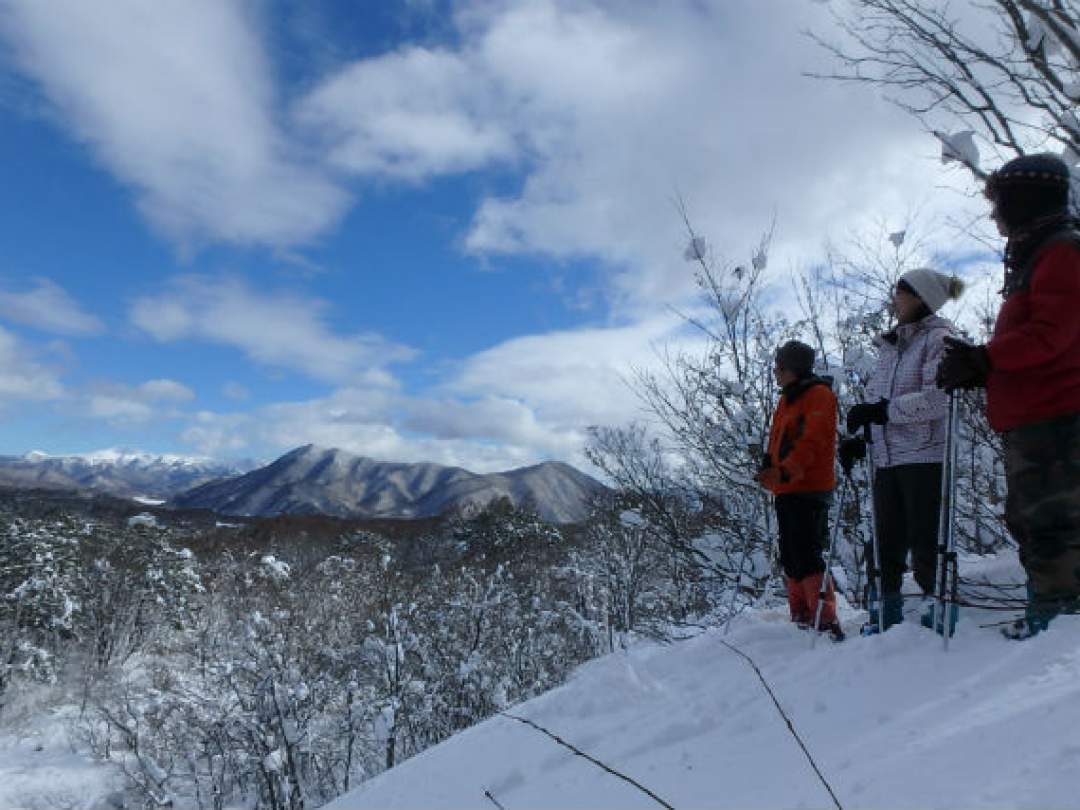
930	611
1036	618
892	612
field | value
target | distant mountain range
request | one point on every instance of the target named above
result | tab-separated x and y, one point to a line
308	480
139	476
316	480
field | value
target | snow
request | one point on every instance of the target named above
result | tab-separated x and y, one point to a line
115	456
142	519
892	721
275	568
274	761
696	249
760	259
384	724
960	147
40	766
145	501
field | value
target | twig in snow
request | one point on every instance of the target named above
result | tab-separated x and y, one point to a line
593	760
790	725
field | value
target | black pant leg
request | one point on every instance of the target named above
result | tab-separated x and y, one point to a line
889	511
1042	510
920	485
803	522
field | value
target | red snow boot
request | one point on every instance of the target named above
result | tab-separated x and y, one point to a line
811	587
797	604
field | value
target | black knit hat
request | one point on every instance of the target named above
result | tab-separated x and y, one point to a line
1030	188
796	357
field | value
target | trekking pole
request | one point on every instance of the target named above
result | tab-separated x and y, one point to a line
947	567
828	565
954	555
875	572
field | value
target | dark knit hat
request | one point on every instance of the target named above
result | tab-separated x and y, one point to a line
796	357
1030	188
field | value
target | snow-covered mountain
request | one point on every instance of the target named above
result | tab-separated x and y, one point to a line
890	720
316	480
116	472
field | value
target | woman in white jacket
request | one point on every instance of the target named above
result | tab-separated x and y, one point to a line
907	414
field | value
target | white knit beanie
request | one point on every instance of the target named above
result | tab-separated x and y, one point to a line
932	287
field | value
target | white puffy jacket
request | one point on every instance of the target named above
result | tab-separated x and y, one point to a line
908	358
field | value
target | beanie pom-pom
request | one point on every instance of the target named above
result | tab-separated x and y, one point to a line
956	288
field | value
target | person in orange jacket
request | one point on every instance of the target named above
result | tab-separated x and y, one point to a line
798	470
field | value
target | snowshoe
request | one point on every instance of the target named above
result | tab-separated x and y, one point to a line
1021	629
1038	616
1026	627
834	632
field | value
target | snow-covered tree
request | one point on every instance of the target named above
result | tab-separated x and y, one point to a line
39	598
1003	73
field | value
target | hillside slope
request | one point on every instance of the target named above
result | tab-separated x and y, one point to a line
893	721
329	481
115	472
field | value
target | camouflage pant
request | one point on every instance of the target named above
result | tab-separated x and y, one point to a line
1042	510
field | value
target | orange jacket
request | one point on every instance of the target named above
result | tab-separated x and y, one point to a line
802	440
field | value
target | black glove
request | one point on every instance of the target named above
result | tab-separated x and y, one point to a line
867	413
964	366
851	450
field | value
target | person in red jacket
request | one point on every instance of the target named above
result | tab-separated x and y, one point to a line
798	470
1031	371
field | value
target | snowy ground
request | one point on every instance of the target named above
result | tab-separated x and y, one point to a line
40	765
892	721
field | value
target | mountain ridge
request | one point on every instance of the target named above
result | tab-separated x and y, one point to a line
122	473
312	479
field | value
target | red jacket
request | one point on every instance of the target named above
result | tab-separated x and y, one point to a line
802	439
1035	350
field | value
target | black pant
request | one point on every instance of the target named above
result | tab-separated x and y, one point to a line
803	522
907	502
1042	510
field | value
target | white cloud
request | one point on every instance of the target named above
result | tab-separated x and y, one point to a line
607	108
519	403
120	404
235	391
118	408
48	307
361	421
705	101
166	390
614	108
176	99
20	377
409	114
218	435
276	329
577	378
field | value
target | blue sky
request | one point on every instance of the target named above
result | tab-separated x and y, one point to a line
432	230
